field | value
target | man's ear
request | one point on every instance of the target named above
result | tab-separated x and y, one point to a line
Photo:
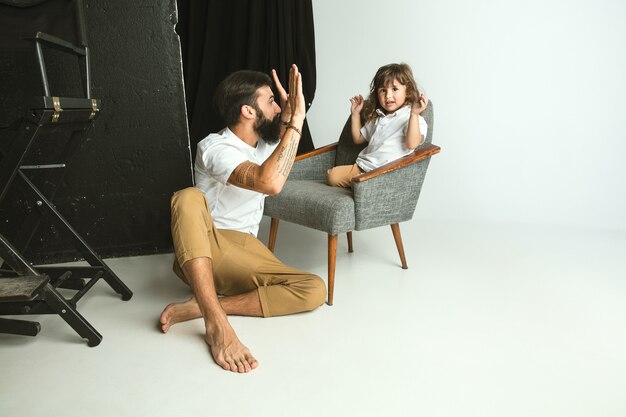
247	112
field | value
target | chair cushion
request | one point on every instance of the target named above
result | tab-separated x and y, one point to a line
313	204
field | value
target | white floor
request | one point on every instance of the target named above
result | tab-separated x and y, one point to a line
489	320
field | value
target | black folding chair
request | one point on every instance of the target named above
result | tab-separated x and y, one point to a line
24	288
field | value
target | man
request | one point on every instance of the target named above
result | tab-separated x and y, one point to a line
214	224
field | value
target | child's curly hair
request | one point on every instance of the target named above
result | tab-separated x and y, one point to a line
386	74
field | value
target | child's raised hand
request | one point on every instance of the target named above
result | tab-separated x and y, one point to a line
420	105
356	104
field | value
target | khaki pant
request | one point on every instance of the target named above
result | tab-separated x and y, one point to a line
341	175
241	263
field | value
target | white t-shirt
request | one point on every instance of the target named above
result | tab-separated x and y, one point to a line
232	207
386	135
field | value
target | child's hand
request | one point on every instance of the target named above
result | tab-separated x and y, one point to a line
356	104
420	105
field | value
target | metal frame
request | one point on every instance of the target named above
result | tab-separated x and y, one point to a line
48	113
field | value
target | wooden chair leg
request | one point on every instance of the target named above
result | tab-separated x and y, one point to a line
273	232
332	257
395	228
350	242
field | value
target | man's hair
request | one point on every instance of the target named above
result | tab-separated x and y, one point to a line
236	90
386	74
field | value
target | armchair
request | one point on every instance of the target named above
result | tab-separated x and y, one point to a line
385	196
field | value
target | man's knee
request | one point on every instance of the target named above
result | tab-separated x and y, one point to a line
190	204
187	197
316	293
191	225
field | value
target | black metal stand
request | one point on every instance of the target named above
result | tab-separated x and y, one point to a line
33	293
28	289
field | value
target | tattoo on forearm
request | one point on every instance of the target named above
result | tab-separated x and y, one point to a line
244	174
286	157
281	154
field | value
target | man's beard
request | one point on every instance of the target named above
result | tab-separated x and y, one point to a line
269	130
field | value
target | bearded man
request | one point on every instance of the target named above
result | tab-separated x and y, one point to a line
214	224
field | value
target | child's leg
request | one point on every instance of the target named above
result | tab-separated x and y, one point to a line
341	176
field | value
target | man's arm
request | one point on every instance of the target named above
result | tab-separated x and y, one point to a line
271	175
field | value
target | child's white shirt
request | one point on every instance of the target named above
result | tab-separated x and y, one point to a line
386	137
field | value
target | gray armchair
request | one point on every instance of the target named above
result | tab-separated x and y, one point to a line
385	196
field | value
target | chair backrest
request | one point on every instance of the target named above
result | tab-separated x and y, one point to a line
347	150
392	197
430	121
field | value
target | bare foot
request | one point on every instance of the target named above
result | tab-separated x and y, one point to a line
177	312
228	352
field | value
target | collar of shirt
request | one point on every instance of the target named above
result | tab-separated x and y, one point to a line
231	135
400	111
241	144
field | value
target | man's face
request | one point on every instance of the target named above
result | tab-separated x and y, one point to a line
267	123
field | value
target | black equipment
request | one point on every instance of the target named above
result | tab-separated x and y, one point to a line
25	288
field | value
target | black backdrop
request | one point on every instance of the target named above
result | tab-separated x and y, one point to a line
116	189
117	186
219	37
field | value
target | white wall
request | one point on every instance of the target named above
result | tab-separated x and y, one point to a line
529	100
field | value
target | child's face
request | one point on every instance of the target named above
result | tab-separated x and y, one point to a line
392	96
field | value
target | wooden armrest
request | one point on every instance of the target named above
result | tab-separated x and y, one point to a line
317	151
418	155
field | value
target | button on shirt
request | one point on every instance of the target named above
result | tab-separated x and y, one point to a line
386	137
232	207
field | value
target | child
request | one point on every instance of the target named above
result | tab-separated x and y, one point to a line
393	124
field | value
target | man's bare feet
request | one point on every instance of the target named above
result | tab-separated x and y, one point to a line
227	351
177	312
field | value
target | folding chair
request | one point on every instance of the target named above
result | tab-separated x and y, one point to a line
24	288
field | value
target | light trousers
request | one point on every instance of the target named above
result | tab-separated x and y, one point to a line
241	263
341	175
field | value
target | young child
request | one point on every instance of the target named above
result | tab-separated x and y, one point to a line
393	124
